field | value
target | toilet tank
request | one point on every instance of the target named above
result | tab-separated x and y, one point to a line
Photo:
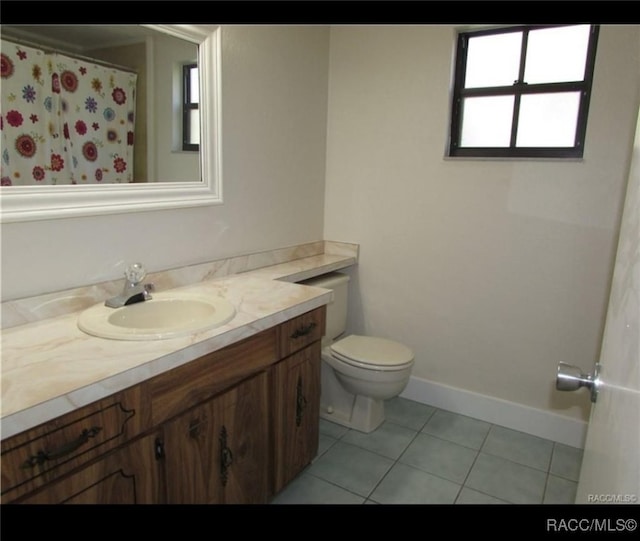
337	309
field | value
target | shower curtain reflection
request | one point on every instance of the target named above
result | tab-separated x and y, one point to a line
64	120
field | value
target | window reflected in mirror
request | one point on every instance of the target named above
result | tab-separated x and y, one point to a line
190	108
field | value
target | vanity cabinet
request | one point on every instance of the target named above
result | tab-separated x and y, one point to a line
233	426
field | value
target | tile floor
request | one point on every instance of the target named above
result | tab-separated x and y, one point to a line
425	455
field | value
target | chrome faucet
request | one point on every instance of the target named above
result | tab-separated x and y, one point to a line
134	290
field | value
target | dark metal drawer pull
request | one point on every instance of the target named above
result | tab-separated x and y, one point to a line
301	402
67	448
304	330
226	456
158	449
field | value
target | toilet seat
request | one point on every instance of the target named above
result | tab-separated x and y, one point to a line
372	353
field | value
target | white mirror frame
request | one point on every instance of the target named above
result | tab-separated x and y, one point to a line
31	203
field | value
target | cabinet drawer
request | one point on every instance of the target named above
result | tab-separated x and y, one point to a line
173	392
42	454
299	332
129	475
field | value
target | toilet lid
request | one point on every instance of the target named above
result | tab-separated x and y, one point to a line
372	351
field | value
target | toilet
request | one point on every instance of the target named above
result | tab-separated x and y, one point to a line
358	373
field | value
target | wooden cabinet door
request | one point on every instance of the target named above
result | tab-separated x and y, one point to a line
296	392
190	450
242	428
129	475
218	451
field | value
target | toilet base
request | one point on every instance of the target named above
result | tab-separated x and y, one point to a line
347	409
364	415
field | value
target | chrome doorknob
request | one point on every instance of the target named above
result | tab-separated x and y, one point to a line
571	378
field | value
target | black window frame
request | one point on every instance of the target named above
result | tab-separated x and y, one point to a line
187	107
518	89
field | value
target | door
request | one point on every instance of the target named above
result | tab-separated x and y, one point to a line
610	470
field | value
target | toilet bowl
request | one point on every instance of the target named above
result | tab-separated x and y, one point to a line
358	373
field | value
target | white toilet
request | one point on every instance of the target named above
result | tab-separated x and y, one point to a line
358	372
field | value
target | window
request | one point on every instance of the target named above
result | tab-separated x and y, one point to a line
190	112
522	91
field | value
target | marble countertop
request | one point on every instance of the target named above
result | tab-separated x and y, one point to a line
50	367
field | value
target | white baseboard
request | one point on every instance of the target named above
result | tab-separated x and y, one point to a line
536	422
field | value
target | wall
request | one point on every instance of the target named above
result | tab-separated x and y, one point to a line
170	162
492	271
274	87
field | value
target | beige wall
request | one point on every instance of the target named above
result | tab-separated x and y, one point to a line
274	101
169	162
492	271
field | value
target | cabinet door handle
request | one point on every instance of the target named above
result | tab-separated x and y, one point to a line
65	449
301	402
304	330
159	449
226	456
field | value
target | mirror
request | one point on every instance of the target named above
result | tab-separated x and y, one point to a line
27	203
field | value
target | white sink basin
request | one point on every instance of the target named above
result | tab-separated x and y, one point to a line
166	315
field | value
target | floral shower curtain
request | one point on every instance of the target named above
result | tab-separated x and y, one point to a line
64	120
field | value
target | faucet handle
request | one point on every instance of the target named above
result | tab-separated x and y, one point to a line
135	273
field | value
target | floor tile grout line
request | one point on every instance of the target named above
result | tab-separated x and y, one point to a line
569	479
316	476
457	442
368	496
553	450
486	494
544	490
560	475
466	478
397	460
